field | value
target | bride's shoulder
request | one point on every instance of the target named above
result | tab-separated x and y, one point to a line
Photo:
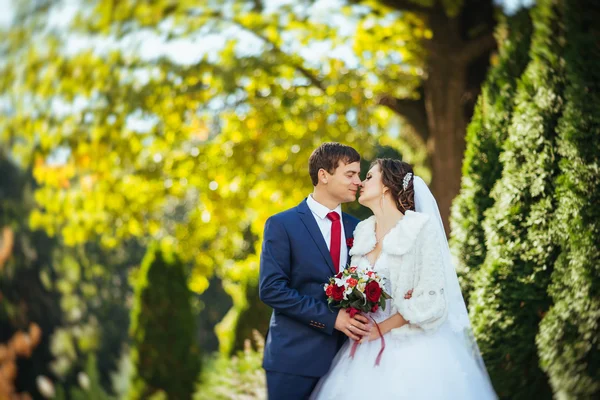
364	237
404	235
365	225
415	218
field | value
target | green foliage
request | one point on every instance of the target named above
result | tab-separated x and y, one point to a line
237	377
90	384
485	136
67	291
120	377
255	317
24	297
165	354
93	288
214	303
195	152
568	341
510	295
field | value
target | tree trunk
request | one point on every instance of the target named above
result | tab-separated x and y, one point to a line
456	65
444	90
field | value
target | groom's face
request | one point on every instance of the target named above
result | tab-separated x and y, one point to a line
344	183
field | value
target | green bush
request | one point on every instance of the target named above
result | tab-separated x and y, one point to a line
237	377
255	317
91	389
569	340
485	136
165	355
510	295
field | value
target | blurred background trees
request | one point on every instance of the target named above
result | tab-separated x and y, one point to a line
186	124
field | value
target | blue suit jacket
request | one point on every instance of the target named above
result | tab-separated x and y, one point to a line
294	266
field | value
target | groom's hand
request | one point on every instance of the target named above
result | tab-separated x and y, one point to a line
355	328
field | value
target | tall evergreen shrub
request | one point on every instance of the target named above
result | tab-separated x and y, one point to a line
510	296
569	338
485	135
165	354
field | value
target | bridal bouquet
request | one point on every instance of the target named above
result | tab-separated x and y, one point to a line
358	290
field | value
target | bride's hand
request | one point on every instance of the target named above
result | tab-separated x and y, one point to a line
374	335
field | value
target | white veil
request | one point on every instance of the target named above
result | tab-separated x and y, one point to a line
458	317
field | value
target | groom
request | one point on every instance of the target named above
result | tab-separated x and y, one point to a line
302	248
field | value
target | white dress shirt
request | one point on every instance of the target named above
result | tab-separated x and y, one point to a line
320	212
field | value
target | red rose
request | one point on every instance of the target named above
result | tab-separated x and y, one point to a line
329	290
373	291
375	308
351	282
339	275
337	293
353	311
350	242
352	270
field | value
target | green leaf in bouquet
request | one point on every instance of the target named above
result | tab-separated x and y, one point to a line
358	304
359	295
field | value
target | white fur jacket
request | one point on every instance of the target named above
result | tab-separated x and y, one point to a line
413	255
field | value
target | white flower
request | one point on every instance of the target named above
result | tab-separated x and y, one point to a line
362	270
347	292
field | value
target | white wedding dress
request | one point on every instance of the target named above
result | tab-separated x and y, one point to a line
421	366
434	357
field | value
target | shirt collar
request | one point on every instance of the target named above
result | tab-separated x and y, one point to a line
319	209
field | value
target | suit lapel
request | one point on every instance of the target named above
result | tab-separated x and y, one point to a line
311	225
348	231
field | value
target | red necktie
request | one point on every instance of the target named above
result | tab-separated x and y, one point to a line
336	239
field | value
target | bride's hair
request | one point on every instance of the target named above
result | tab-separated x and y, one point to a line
393	173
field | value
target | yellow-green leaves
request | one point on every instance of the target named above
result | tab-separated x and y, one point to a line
126	142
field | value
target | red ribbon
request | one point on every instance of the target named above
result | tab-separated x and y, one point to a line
355	345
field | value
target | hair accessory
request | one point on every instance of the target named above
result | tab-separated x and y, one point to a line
406	180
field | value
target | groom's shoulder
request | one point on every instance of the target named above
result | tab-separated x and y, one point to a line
286	215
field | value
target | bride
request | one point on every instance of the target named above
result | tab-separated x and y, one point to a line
429	351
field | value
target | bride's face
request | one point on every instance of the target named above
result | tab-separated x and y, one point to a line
371	188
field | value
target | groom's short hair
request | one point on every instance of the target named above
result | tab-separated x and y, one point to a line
328	157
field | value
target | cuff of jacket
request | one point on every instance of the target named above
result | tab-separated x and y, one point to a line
426	315
325	323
